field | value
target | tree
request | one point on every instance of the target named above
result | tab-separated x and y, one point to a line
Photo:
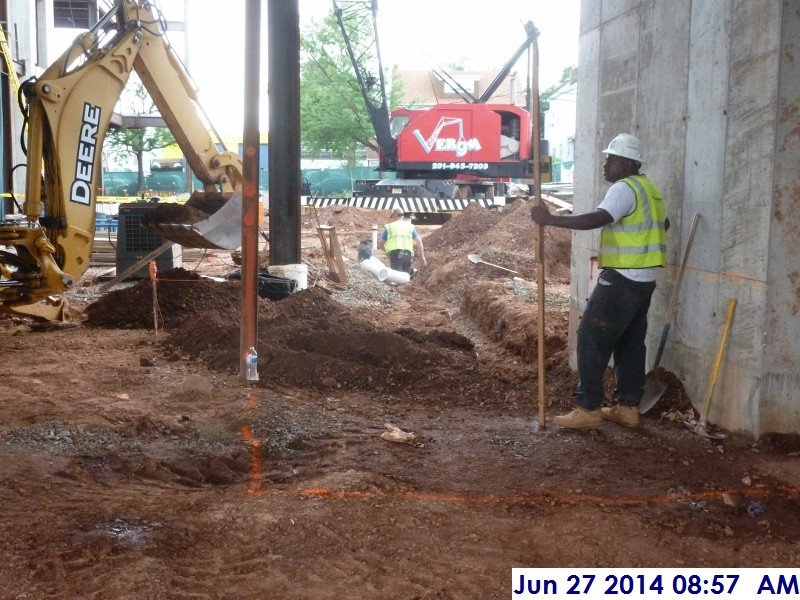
134	141
332	111
544	97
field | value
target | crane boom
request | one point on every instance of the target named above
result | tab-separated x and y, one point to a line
533	35
358	24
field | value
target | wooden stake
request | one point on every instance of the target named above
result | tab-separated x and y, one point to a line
533	107
333	252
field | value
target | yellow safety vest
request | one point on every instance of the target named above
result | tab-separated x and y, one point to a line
639	240
399	236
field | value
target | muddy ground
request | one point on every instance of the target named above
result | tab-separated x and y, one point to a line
137	465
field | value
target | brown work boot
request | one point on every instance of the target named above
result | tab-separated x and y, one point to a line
624	415
580	418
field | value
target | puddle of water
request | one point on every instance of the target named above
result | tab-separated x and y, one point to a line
125	532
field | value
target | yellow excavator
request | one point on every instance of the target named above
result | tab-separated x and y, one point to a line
68	111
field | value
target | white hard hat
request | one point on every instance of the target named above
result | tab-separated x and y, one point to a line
626	146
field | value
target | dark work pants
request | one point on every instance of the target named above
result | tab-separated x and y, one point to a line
400	260
614	323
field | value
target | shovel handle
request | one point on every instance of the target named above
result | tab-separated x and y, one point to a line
673	305
499	267
661	345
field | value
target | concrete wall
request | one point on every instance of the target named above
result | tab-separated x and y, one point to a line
780	377
712	90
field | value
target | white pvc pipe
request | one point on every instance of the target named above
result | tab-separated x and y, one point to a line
398	277
376	267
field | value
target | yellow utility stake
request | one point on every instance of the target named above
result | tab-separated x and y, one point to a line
153	272
701	428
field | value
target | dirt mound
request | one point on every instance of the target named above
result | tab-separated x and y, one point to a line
308	339
465	228
173	213
346	218
181	295
675	396
198	207
502	238
513	322
311	340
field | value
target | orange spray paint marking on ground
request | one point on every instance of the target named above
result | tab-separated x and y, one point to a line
252	398
534	500
255	461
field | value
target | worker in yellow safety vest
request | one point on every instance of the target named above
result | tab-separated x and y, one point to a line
633	248
398	239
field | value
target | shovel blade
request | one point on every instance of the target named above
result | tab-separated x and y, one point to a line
653	390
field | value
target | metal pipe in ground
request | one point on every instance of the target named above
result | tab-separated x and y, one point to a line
248	335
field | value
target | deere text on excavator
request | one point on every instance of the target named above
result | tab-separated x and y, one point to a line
68	111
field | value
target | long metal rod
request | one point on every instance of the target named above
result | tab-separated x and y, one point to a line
533	102
249	324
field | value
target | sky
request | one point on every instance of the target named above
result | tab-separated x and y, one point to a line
413	34
418	33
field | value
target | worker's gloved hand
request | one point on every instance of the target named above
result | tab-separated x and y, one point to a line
541	215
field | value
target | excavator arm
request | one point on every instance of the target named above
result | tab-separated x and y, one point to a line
69	109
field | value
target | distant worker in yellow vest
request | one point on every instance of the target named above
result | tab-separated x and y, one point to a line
399	238
633	246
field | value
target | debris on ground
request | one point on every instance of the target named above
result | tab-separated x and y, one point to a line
137	464
395	434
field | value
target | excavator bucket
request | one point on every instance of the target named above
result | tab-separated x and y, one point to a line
205	221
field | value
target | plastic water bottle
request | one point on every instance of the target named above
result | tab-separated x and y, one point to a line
251	365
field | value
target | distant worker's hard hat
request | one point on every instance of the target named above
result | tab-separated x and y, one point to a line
398	211
626	146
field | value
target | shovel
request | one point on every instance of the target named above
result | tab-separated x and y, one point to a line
475	258
653	389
